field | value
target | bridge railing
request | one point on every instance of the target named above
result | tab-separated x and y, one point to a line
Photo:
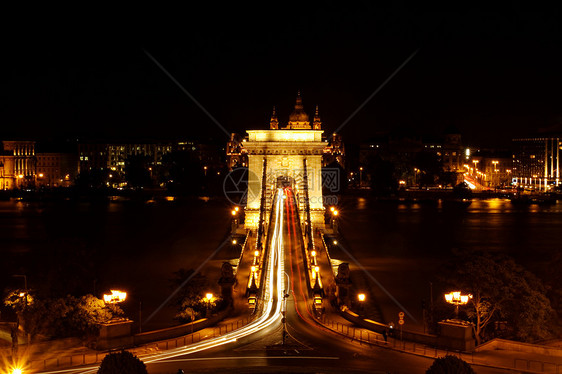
372	339
261	228
91	358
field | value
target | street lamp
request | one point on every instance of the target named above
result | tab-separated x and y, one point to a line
361	297
234	213
475	162
496	169
457	299
361	176
208	297
25	296
115	297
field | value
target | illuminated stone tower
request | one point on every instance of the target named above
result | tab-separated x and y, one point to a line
274	122
317	123
284	156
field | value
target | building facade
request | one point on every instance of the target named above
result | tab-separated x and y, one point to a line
18	164
536	162
56	169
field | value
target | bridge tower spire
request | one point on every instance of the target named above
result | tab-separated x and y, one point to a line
317	123
274	122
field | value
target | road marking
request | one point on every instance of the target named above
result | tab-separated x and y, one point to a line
247	357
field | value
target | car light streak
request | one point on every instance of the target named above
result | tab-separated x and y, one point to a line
271	313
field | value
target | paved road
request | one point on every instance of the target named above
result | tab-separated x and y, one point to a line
310	348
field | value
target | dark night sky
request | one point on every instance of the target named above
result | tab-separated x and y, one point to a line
494	74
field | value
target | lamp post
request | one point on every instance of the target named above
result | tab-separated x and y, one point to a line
208	297
284	311
25	293
360	176
361	297
335	214
234	213
495	163
457	299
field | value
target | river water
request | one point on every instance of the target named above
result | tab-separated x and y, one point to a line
82	247
403	246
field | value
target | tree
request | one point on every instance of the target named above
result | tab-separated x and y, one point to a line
501	290
190	298
63	317
429	167
136	171
383	180
89	312
122	363
182	172
449	364
91	179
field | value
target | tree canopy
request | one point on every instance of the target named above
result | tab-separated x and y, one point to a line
501	291
63	317
189	299
449	364
122	363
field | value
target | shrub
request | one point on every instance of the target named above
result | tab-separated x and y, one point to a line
449	365
122	363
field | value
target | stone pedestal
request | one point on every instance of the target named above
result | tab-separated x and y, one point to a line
456	335
115	334
317	218
252	219
226	281
343	283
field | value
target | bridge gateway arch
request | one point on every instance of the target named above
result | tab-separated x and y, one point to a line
285	157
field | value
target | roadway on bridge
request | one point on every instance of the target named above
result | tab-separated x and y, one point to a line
256	348
309	347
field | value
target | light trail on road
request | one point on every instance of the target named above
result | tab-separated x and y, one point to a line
272	299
